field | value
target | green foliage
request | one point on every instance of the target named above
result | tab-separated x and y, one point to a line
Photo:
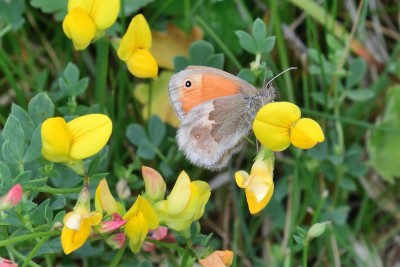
201	53
59	8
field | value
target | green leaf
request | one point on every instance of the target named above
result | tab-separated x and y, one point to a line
180	63
215	61
338	215
35	148
137	135
23	177
267	45
11	12
5	178
59	7
14	137
24	119
357	70
384	146
40	108
247	42
146	152
247	75
59	216
299	240
131	7
70	84
360	94
259	33
37	216
348	184
157	130
58	203
200	51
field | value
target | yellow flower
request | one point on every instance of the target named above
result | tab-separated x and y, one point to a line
278	124
87	19
185	204
134	49
73	141
104	201
141	217
259	185
154	184
78	223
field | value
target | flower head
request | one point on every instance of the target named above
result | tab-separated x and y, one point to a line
258	185
73	141
278	124
12	198
185	204
86	20
141	217
78	223
134	49
161	234
104	201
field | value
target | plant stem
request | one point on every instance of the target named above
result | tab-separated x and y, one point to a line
48	189
166	245
118	256
34	250
21	257
305	253
22	238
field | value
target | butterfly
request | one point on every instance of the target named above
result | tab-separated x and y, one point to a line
216	110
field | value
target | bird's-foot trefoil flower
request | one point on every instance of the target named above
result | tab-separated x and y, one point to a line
185	204
154	185
86	20
141	217
78	223
259	184
78	139
134	49
218	258
7	263
278	124
105	202
12	198
116	241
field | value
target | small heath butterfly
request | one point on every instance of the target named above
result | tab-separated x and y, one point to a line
216	110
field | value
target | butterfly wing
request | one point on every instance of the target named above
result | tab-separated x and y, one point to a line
196	85
213	131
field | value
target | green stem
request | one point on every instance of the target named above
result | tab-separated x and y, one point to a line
21	257
351	121
219	42
305	253
166	245
34	250
22	238
184	259
118	256
48	189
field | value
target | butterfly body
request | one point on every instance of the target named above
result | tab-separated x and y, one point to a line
216	110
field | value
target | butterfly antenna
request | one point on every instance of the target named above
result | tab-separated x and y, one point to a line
265	75
270	81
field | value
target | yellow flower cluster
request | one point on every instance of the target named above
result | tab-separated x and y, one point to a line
87	20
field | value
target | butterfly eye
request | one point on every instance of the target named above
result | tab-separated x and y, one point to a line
188	83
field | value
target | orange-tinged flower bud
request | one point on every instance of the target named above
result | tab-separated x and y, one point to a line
154	184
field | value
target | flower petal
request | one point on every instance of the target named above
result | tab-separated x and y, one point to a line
272	123
79	27
104	199
180	194
142	64
255	198
306	133
154	184
90	133
136	230
56	140
148	212
241	177
104	13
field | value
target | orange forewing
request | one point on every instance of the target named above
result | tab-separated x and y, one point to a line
207	87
